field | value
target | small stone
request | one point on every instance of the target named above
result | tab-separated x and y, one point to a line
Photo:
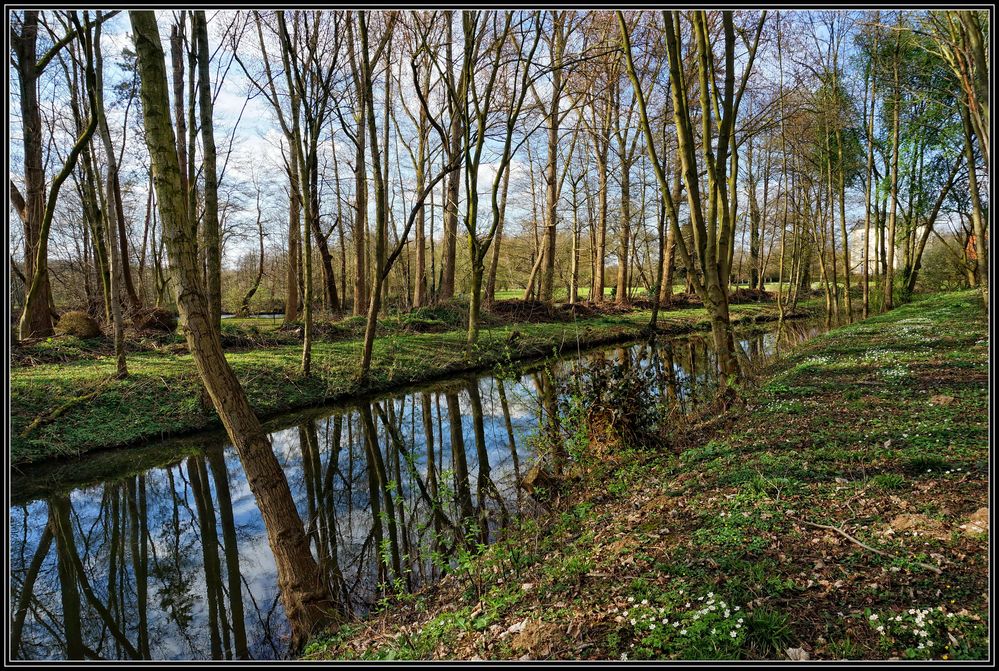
797	655
517	628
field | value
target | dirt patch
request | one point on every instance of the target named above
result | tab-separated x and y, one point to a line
978	523
536	638
921	525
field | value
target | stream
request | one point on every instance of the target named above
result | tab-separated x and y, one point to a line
160	551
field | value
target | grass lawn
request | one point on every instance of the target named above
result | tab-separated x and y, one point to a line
750	540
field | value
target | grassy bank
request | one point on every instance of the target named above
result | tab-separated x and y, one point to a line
75	406
838	514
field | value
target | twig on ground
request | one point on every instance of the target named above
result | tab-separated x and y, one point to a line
850	538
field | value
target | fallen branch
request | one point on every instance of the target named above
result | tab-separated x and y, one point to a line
44	419
850	538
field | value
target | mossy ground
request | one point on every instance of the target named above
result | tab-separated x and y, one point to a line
162	395
728	548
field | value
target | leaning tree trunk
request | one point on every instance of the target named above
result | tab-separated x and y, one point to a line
305	598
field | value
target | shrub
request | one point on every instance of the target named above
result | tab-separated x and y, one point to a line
614	403
925	463
155	319
79	324
769	632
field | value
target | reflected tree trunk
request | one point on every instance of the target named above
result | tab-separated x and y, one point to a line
485	487
377	465
140	559
28	586
428	433
220	475
458	460
549	419
70	595
508	422
209	549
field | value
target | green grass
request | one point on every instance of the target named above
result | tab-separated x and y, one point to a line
262	323
163	395
561	293
729	523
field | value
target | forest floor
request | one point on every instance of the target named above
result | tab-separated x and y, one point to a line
839	513
65	400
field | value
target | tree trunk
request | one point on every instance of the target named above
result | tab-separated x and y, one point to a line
446	289
490	291
210	216
889	270
291	303
35	209
869	191
305	598
420	284
621	297
360	185
920	244
330	297
598	278
113	213
981	249
755	281
244	305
